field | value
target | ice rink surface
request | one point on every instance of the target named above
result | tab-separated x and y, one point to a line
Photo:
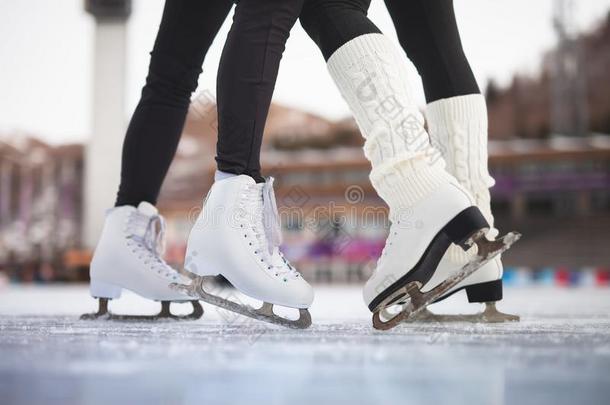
559	353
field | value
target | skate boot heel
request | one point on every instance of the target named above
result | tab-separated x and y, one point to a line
490	291
464	228
101	289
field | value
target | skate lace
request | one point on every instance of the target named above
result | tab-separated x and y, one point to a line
263	222
146	237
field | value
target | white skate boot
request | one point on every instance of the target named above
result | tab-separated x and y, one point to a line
429	210
127	257
414	248
237	236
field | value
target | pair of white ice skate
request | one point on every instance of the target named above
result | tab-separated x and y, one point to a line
434	198
237	235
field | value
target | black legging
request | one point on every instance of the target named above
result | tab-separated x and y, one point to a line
428	33
246	79
248	70
332	23
185	34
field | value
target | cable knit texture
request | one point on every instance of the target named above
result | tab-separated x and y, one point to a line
372	77
458	129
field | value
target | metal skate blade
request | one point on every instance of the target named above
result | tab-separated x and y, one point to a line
264	313
489	315
165	313
418	301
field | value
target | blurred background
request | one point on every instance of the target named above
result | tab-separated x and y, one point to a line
70	77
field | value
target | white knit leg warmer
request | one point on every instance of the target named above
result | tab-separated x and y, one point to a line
372	77
458	129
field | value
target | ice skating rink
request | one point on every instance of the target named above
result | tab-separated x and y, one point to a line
559	353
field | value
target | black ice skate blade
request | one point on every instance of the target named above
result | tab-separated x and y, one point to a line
264	313
103	313
418	301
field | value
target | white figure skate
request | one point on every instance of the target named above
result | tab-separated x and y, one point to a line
428	207
458	126
412	255
127	257
237	236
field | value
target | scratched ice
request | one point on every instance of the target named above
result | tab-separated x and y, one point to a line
559	353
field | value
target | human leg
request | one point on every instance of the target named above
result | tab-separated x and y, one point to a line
407	171
185	34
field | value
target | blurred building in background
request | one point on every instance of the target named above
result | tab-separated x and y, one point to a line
40	207
525	108
554	187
